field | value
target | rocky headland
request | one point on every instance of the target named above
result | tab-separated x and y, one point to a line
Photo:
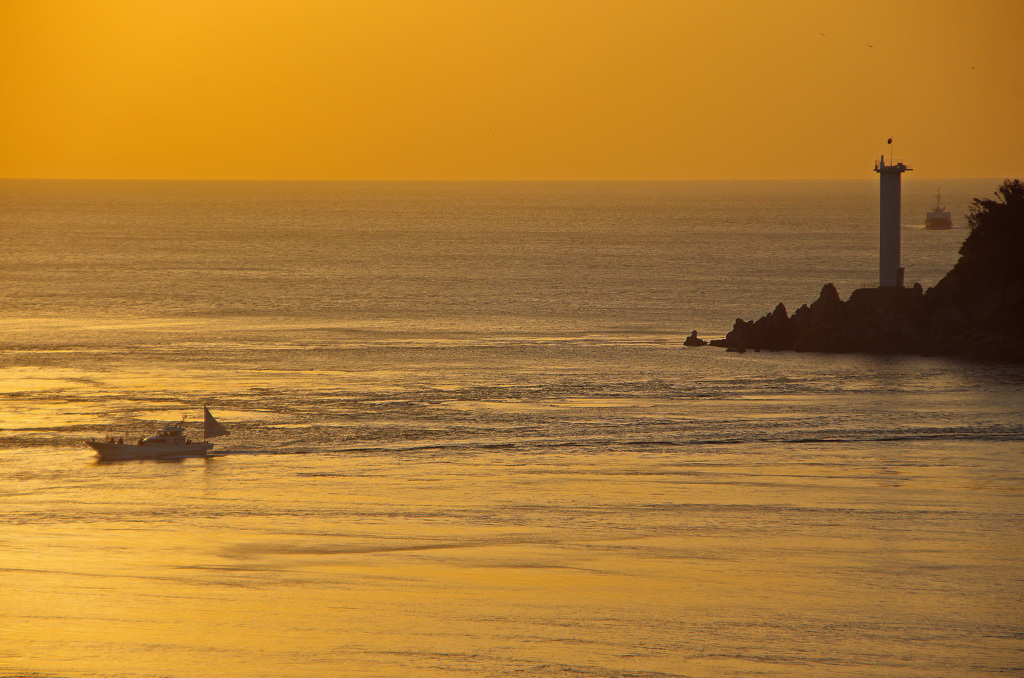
975	311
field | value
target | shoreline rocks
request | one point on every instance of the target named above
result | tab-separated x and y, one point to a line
881	320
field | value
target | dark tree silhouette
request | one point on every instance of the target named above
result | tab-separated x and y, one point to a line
994	249
987	284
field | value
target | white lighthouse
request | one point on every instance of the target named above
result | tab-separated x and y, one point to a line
890	273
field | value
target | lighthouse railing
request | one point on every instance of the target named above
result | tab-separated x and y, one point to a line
892	164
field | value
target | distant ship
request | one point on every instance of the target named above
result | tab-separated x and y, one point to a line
939	218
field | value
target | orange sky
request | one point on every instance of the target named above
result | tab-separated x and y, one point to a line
482	89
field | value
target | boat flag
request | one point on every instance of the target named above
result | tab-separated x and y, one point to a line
211	427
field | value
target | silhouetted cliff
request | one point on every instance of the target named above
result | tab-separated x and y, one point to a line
976	310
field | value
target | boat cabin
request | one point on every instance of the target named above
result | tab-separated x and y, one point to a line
168	435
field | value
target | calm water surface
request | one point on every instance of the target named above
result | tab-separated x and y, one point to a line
467	438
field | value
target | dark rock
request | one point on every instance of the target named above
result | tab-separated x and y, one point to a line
693	340
828	309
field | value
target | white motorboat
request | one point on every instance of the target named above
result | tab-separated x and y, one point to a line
169	441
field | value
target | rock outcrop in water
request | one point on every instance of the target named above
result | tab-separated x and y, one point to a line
694	340
976	310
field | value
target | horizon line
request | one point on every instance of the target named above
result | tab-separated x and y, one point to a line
867	177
